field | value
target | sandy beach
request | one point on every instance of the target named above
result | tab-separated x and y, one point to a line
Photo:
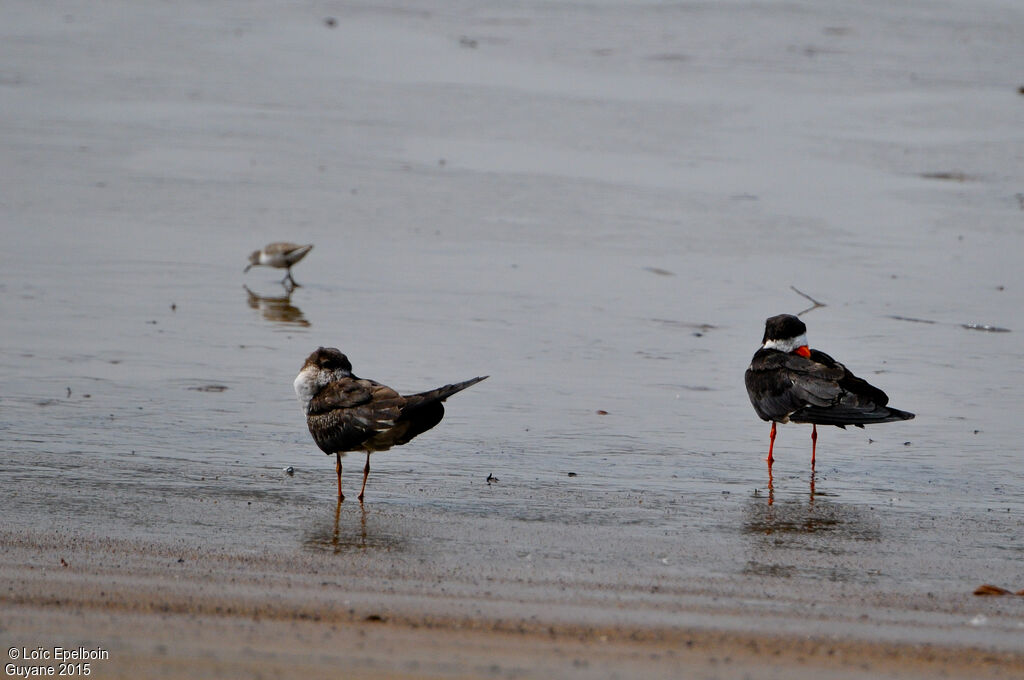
210	615
596	204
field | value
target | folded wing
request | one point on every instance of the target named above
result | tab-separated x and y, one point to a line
347	413
352	414
815	390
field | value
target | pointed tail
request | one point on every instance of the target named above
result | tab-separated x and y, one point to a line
842	416
442	393
896	414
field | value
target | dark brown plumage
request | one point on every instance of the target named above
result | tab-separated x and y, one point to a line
346	413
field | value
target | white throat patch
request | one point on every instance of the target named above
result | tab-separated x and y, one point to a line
306	386
786	344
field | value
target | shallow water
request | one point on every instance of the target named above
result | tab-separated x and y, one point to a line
596	211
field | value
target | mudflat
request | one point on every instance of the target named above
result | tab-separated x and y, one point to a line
207	614
596	204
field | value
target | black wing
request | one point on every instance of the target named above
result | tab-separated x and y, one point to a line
817	390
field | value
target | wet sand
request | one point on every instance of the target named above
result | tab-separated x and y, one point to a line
597	205
210	614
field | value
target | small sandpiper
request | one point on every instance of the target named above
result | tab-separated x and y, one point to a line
345	413
280	256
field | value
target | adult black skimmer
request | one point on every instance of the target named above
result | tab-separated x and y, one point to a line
345	413
279	256
788	382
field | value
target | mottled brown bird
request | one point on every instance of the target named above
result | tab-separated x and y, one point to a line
345	413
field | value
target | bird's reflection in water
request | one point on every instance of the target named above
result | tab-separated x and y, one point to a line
278	309
350	532
810	536
816	512
771	487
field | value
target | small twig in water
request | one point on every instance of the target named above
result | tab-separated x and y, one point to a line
805	295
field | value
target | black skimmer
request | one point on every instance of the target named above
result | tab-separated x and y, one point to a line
345	413
788	382
279	256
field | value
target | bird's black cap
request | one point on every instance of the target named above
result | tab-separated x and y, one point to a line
783	327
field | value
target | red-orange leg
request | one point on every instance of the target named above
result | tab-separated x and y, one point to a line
771	446
366	473
337	468
814	443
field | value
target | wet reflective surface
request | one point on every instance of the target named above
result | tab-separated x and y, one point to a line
355	530
608	254
278	308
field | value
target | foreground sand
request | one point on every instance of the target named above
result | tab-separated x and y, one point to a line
222	615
